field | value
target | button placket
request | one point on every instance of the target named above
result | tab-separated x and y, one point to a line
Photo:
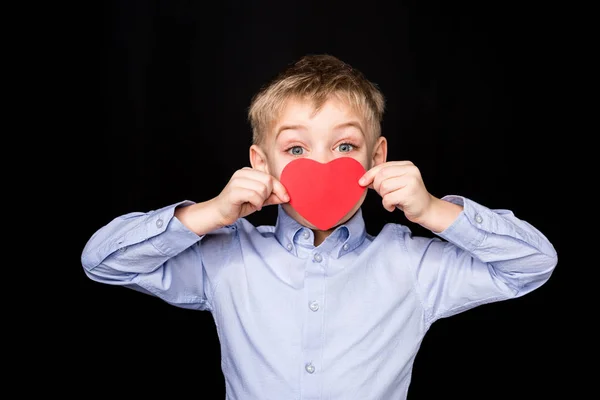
312	341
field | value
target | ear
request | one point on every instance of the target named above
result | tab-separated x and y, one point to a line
258	159
379	155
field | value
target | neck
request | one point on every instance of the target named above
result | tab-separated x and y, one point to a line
320	236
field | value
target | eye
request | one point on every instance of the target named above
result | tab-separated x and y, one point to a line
295	150
345	147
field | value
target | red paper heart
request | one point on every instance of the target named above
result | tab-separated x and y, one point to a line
323	193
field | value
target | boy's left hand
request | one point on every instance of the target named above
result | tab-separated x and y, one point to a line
400	185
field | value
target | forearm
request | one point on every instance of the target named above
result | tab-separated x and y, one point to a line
137	243
514	248
151	252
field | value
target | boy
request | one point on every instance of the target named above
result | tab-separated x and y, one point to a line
303	313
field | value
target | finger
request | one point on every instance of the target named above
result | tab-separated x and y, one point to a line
369	176
389	203
242	172
393	200
274	199
392	184
392	171
258	176
246	182
384	173
404	171
273	184
387	206
279	191
256	199
243	195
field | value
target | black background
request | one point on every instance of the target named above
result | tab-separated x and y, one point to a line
471	95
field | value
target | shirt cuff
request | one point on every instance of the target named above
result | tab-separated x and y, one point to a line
171	236
471	226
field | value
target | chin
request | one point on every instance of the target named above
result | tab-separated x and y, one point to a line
302	221
297	217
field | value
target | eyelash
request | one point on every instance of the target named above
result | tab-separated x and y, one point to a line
354	146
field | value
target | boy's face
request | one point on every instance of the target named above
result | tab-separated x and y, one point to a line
335	131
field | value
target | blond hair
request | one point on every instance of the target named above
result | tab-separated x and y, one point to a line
316	78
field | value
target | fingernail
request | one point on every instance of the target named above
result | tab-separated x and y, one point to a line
361	181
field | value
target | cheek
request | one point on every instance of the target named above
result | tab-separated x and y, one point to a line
275	163
277	167
363	159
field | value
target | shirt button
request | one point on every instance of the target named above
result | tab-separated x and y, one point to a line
318	257
309	368
289	246
159	223
313	305
346	246
478	219
306	234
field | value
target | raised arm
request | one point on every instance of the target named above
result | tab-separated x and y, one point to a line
487	255
156	252
151	252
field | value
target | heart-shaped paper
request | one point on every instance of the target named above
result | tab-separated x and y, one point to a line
323	193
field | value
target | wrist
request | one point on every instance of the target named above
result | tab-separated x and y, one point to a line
439	215
200	218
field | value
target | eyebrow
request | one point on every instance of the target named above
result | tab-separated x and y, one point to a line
286	127
350	124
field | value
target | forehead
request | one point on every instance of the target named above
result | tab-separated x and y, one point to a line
307	115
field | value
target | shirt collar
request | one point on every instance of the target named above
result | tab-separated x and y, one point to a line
343	239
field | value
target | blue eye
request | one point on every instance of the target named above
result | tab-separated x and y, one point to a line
296	151
345	147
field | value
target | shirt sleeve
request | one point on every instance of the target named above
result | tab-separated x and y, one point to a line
151	252
486	256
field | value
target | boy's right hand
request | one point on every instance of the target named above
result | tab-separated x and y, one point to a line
247	191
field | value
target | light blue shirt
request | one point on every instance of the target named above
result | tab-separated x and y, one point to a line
340	321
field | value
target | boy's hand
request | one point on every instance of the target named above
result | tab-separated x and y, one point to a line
247	191
400	185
